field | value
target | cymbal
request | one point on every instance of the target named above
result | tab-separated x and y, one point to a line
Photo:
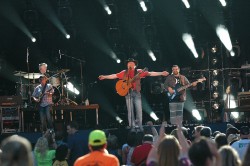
19	73
32	75
63	70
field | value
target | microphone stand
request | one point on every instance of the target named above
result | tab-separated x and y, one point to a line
81	70
28	68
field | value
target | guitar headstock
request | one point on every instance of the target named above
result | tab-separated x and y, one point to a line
202	79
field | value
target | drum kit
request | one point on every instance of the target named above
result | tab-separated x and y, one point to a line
57	80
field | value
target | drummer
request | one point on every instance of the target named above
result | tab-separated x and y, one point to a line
43	69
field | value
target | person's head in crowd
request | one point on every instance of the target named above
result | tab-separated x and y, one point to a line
97	140
184	131
42	146
233	138
231	130
244	132
246	159
215	133
147	138
61	152
113	142
168	151
229	156
139	137
221	140
202	152
131	138
206	132
196	132
72	127
16	151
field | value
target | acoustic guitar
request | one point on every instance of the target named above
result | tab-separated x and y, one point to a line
177	89
122	86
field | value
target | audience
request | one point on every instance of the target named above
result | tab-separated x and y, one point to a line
43	156
113	147
229	156
97	155
220	140
241	145
246	160
60	156
16	151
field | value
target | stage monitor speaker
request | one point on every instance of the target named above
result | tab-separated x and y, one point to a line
244	99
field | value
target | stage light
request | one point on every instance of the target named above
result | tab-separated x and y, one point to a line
186	3
33	39
106	7
71	88
214	49
196	114
118	119
215	83
223	3
224	36
188	40
118	61
232	53
67	36
215	72
215	95
216	106
154	116
214	61
143	5
152	55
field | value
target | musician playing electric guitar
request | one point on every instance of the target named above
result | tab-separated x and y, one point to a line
130	87
176	104
43	96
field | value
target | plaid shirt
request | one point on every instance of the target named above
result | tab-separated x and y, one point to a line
47	99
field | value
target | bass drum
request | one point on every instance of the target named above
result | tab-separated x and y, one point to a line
56	97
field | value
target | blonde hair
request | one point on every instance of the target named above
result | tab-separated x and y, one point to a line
41	146
168	151
16	150
229	156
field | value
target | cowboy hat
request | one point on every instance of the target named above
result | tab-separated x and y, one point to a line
131	60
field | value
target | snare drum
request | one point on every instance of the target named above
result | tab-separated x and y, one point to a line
55	81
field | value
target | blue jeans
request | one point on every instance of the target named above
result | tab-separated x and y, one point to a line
45	114
176	109
134	105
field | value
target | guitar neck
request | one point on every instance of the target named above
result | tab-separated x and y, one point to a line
138	74
184	87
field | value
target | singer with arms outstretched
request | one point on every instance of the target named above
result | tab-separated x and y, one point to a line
133	97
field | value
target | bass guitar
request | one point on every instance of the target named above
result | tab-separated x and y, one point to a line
177	89
122	86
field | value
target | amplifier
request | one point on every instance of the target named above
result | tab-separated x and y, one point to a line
10	100
244	99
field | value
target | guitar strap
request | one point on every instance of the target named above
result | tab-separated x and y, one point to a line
43	92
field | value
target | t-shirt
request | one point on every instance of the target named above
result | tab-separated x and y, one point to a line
241	147
99	158
131	74
47	160
140	154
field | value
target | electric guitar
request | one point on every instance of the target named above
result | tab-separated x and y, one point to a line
177	89
123	86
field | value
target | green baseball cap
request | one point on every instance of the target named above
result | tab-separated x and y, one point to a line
97	138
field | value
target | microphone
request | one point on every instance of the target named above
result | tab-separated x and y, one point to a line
60	54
